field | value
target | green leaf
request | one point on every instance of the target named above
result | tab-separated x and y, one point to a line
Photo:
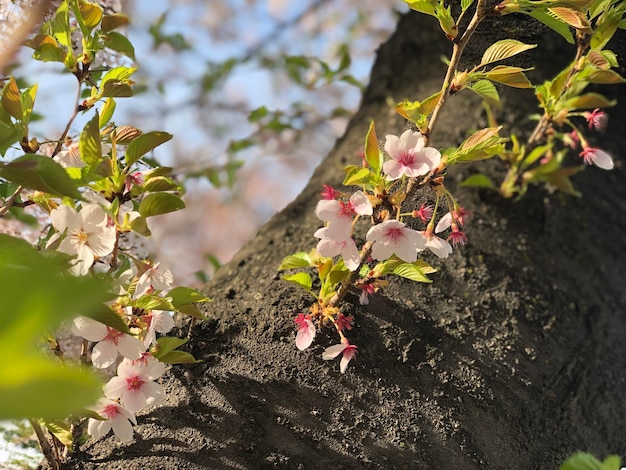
89	145
160	203
465	4
27	101
572	17
11	101
511	76
358	176
486	90
35	386
373	154
412	272
140	226
91	13
581	461
191	310
503	50
478	181
604	77
116	89
120	43
153	302
41	173
107	112
110	318
62	431
423	6
160	183
553	23
144	144
297	260
178	357
300	279
111	22
165	345
589	101
186	295
9	134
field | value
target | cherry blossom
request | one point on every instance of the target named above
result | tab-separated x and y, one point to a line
425	212
457	237
437	245
444	223
154	278
116	417
330	247
110	342
344	322
339	215
159	322
347	350
70	156
306	331
597	157
134	384
329	193
393	237
88	234
409	157
597	119
367	289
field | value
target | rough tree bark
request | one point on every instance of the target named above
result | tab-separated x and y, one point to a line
512	358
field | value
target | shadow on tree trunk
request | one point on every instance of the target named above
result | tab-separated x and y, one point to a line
512	358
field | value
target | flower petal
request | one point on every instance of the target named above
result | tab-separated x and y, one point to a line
104	354
332	352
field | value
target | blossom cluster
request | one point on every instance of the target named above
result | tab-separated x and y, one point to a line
389	242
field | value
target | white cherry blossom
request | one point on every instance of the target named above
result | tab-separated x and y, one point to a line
330	247
393	237
110	342
437	245
88	234
409	156
134	384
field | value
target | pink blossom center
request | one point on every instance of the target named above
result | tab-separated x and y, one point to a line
407	157
134	383
588	155
394	234
347	209
350	351
110	411
113	335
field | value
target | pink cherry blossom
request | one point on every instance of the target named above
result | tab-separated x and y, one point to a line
597	119
597	157
425	212
457	237
109	342
306	331
159	322
154	278
409	157
344	322
330	247
437	245
134	384
393	237
116	417
347	350
366	290
88	234
329	193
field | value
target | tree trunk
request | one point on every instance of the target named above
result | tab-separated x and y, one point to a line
512	358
